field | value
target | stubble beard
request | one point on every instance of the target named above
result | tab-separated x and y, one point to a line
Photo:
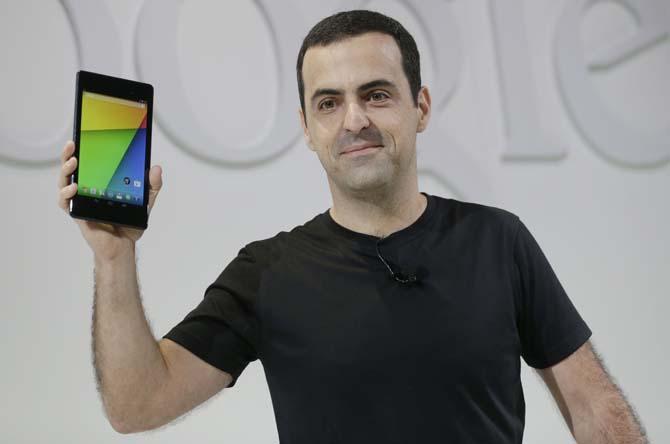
371	176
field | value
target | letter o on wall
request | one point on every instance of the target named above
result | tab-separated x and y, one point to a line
98	49
156	57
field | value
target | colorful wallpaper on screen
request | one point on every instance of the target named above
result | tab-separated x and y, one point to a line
112	148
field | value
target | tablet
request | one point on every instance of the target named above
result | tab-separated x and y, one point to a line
112	139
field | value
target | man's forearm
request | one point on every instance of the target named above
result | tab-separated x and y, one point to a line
611	420
128	364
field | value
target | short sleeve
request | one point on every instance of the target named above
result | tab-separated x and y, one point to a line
223	330
550	328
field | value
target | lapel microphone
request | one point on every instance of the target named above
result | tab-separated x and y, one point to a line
400	276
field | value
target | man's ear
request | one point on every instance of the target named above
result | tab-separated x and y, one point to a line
305	131
423	109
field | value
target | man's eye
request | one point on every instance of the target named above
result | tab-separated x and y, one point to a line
327	104
378	96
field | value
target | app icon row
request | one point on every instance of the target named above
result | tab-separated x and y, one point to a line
112	194
136	183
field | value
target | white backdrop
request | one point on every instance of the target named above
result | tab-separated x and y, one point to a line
555	110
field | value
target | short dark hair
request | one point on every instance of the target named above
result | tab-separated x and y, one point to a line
347	24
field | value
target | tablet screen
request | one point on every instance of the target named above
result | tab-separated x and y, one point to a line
112	148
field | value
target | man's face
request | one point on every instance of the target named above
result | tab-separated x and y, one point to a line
357	96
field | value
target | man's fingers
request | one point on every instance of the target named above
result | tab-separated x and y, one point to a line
68	150
66	190
156	183
66	171
65	194
68	164
156	177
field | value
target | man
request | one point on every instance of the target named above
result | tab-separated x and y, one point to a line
393	317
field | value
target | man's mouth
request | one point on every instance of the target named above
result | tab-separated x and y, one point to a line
360	149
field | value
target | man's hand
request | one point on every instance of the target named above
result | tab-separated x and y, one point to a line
106	240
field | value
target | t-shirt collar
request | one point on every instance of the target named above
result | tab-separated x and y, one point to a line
369	240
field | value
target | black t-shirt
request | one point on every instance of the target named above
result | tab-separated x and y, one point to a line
353	356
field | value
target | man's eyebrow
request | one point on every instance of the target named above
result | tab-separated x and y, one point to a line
326	92
376	84
364	87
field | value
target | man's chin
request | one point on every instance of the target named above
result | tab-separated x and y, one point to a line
367	184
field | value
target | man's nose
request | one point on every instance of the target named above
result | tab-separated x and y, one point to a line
355	119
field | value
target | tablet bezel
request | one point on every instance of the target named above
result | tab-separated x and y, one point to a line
103	210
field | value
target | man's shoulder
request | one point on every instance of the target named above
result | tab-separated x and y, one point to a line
273	246
460	211
478	225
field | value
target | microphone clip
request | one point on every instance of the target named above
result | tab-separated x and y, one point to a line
400	276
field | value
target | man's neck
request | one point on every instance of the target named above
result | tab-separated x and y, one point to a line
378	215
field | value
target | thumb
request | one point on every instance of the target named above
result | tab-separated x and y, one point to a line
155	184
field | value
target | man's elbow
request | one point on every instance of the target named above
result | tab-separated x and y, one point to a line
126	428
120	427
124	423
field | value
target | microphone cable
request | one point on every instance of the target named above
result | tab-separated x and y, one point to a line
401	277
